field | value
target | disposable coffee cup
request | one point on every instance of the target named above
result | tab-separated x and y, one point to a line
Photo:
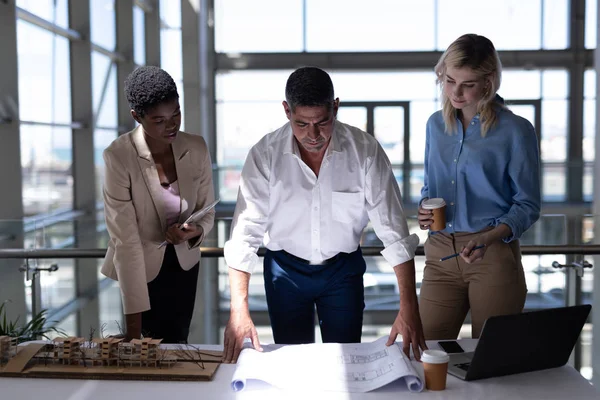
435	365
438	206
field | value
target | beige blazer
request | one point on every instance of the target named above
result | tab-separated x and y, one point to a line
134	210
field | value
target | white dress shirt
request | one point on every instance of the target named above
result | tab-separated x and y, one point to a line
283	204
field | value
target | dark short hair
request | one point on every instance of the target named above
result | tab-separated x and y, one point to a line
309	86
146	87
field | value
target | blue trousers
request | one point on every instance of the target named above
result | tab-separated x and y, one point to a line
293	288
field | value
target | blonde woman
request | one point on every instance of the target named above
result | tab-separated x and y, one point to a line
483	160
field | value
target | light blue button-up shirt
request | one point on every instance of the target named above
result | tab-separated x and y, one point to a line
485	181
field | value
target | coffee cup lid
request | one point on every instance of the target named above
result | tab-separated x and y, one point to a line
435	357
432	204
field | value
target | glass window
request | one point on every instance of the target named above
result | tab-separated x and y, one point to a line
171	53
170	14
591	23
355	116
68	325
554	149
104	90
589	84
243	26
589	133
139	36
102	139
111	315
554	130
55	11
251	85
420	111
509	24
554	182
417	179
46	158
379	25
588	183
519	84
248	107
555	84
589	116
57	235
171	56
556	28
589	129
384	86
526	111
241	125
389	131
44	75
103	23
58	288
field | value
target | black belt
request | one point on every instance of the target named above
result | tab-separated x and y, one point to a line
334	259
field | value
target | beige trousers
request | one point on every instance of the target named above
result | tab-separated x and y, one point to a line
493	286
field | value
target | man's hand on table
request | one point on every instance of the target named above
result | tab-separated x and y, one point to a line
408	324
239	327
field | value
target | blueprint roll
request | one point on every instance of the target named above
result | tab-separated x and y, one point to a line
238	384
348	367
414	383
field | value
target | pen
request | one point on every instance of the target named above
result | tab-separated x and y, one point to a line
458	254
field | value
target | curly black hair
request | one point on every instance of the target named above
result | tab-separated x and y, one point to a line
148	86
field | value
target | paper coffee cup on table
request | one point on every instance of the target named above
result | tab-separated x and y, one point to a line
435	365
438	206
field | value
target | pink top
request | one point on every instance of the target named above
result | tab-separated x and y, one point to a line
172	202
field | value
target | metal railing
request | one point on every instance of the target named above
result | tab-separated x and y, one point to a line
538	250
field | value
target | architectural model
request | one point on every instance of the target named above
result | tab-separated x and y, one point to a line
106	358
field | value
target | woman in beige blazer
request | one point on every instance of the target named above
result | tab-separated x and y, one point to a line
156	177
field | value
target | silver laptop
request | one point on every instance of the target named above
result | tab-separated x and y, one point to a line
513	344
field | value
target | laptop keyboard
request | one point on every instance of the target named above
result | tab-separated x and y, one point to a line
463	366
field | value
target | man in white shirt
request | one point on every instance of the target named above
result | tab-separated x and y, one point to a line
307	192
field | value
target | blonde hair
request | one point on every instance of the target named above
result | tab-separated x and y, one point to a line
477	53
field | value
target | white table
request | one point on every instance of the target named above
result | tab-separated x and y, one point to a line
559	383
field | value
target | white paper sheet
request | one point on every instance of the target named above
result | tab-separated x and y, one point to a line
356	367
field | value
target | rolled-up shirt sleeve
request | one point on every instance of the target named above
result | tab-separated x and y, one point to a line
251	213
524	172
385	210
